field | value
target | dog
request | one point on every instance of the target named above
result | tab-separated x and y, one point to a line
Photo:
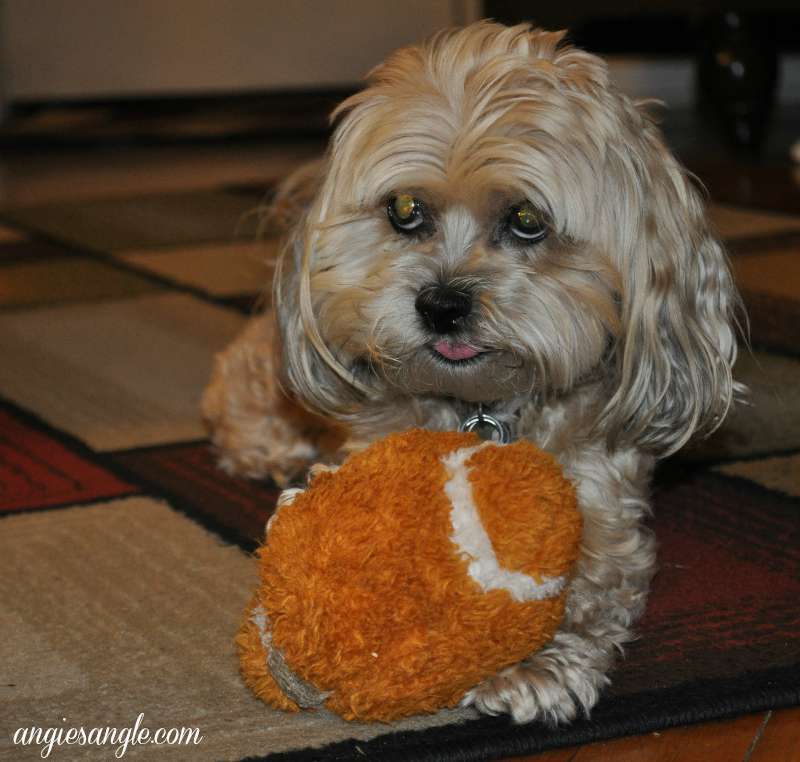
496	233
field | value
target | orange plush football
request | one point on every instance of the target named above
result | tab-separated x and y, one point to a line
425	564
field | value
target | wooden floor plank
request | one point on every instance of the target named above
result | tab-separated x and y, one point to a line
557	755
781	739
728	741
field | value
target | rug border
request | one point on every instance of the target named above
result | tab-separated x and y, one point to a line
617	716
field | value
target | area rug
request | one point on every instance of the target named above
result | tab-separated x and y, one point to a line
125	554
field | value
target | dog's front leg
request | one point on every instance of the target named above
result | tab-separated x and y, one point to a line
607	593
256	429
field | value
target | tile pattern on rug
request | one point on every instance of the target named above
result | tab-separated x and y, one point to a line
780	473
160	638
781	241
26	250
765	249
142	221
768	274
248	304
189	474
38	471
774	323
744	542
768	186
775	274
769	421
142	620
10	235
733	222
227	269
156	355
71	279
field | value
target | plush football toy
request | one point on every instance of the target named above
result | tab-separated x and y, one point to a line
423	565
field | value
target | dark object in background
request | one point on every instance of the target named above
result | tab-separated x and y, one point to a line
699	29
737	75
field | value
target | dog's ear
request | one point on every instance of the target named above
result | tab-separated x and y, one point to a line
292	198
678	303
309	369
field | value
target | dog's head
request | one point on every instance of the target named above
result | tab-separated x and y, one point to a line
494	219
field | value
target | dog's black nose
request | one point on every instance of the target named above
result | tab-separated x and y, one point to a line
442	308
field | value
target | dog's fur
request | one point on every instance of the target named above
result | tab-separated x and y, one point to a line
609	343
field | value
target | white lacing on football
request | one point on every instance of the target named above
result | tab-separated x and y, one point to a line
474	543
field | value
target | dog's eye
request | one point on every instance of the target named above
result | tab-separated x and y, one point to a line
405	212
527	223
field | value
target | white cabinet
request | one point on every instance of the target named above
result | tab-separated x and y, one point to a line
54	49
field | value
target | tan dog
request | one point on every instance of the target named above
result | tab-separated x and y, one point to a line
496	227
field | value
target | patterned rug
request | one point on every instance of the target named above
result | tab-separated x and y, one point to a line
125	555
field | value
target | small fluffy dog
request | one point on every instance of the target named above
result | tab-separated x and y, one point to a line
496	228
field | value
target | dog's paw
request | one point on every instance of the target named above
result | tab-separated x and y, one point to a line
287	496
263	462
320	468
544	688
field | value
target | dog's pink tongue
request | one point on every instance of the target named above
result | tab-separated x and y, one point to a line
459	351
